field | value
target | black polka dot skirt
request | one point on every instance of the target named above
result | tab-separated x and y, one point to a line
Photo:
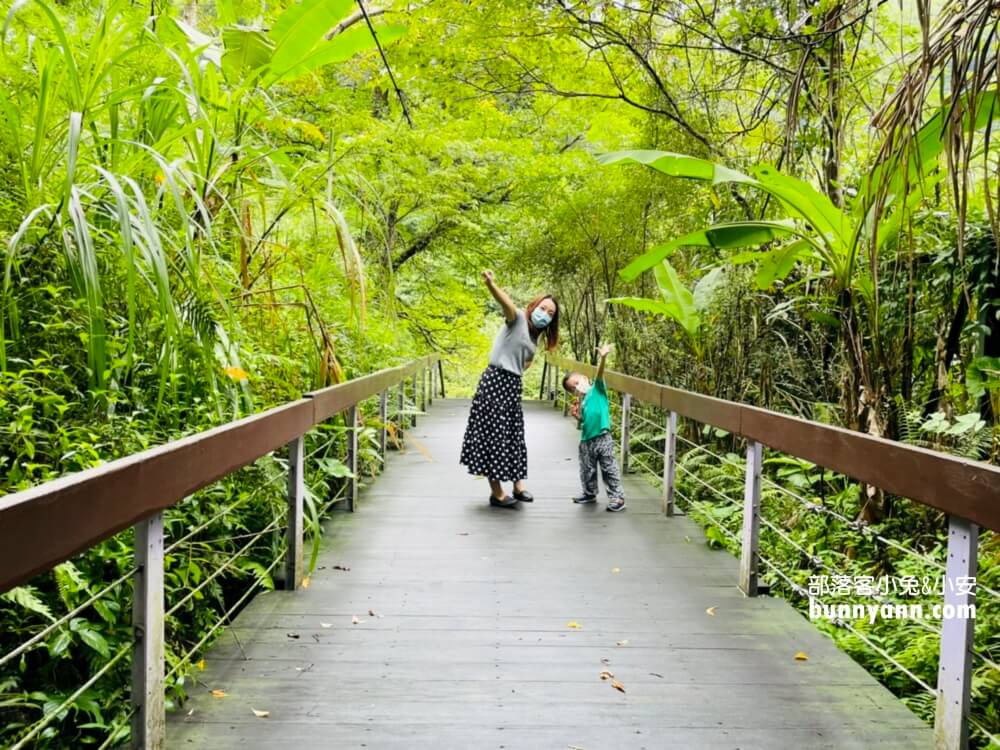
493	446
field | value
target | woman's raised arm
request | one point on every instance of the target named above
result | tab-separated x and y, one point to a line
509	309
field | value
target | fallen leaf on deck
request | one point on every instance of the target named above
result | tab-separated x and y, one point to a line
305	582
574	747
710	611
373	613
292	635
463	533
616	570
687	538
260	714
340	567
622	643
606	675
201	665
574	625
618	686
191	712
218	693
326	624
605	660
800	656
355	620
657	674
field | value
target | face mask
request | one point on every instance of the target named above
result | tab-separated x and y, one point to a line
540	318
582	387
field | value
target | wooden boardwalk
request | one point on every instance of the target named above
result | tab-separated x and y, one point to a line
470	645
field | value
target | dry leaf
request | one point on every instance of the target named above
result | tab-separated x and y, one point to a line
605	660
616	570
623	643
710	611
657	674
373	613
260	714
574	747
218	693
201	665
191	712
305	582
292	635
355	620
606	675
340	567
574	625
326	624
687	539
618	686
801	656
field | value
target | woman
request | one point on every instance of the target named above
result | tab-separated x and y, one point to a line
494	438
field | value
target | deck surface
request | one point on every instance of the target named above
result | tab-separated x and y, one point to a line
471	647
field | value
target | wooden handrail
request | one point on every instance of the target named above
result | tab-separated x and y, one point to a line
957	486
45	525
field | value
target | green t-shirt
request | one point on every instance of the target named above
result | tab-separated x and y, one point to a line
595	412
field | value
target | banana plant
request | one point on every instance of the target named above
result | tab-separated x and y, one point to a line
685	306
813	226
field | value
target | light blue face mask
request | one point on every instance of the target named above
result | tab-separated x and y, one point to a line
539	318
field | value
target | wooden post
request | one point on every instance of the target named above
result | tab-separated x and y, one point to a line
751	520
293	530
669	463
441	376
626	430
951	716
352	457
383	418
149	721
413	422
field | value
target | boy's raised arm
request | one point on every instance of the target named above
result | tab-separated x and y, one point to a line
509	309
602	352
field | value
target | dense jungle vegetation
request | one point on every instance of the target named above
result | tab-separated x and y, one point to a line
209	208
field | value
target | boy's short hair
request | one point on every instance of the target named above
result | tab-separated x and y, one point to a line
566	379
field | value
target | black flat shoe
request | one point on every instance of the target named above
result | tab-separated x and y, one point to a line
524	497
507	502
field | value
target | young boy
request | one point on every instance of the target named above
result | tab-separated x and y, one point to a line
596	444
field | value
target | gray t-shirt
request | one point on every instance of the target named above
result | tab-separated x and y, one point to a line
513	348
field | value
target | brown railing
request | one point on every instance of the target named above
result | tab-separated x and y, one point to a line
46	525
967	491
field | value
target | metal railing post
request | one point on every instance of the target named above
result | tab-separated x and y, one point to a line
751	520
545	374
565	400
413	419
293	530
669	463
430	384
558	390
352	457
149	720
423	389
626	430
383	418
951	716
441	376
400	426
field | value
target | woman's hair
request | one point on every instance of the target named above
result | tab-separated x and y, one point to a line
551	331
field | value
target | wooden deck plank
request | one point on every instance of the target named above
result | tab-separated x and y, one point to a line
471	645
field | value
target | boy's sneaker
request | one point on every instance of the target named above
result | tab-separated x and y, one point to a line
585	499
616	505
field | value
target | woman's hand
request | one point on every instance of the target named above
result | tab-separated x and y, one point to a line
509	311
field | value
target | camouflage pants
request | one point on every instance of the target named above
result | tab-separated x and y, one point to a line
600	452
